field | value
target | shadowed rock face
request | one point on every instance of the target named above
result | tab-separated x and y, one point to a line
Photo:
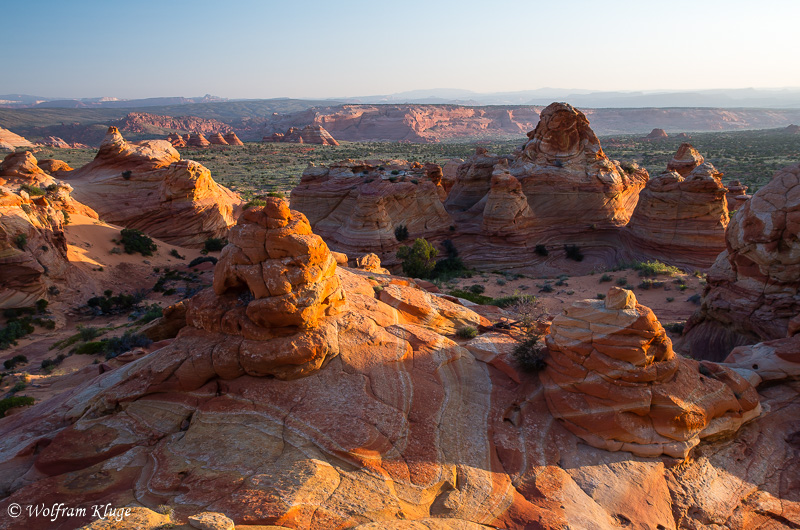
681	219
365	413
753	286
613	379
146	185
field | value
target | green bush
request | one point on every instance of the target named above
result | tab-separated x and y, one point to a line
214	244
202	259
175	254
153	312
401	232
477	288
418	260
134	241
622	281
573	252
33	191
15	361
21	241
507	301
277	194
606	278
472	297
14	401
254	203
467	332
530	354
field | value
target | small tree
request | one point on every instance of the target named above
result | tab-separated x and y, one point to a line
419	259
401	232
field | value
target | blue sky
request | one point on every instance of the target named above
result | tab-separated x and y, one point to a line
263	49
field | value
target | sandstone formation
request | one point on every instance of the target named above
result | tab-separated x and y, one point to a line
358	205
310	134
232	139
753	287
54	141
10	141
299	396
54	167
613	380
737	195
21	168
370	263
176	140
682	220
685	160
656	134
217	139
792	129
140	122
196	140
146	185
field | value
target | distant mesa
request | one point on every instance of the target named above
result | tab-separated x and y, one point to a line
310	134
792	129
146	185
140	122
10	141
682	135
656	134
54	141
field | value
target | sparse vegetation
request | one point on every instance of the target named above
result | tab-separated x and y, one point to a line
21	240
467	332
15	361
606	278
203	259
214	244
418	260
134	241
175	254
573	252
20	322
113	346
401	232
14	401
541	250
33	191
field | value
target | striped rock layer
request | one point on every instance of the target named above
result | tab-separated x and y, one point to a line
613	379
146	185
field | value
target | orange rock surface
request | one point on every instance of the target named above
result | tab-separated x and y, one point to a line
10	141
682	220
232	139
613	380
147	186
754	286
217	139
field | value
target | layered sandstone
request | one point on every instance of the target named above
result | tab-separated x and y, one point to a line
217	139
55	141
232	139
54	167
21	168
10	140
656	134
310	134
176	140
146	185
358	205
737	195
685	160
613	380
682	220
196	140
141	122
754	286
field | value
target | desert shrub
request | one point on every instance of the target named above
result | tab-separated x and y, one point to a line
395	172
418	260
254	203
401	232
670	299
530	354
134	241
377	288
153	312
606	278
175	254
477	288
467	332
67	218
600	296
15	329
108	304
472	297
676	327
546	288
501	281
14	401
696	299
541	250
127	175
651	268
277	194
33	191
41	305
115	345
451	266
214	244
202	259
49	364
513	300
622	281
573	252
21	240
90	348
15	361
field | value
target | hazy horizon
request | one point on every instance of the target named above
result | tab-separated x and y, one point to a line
319	50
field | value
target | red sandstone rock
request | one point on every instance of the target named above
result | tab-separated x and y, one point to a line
217	139
10	141
54	167
682	220
140	122
176	140
753	287
656	134
685	160
232	139
54	141
21	168
310	134
197	140
613	379
147	186
370	263
737	195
